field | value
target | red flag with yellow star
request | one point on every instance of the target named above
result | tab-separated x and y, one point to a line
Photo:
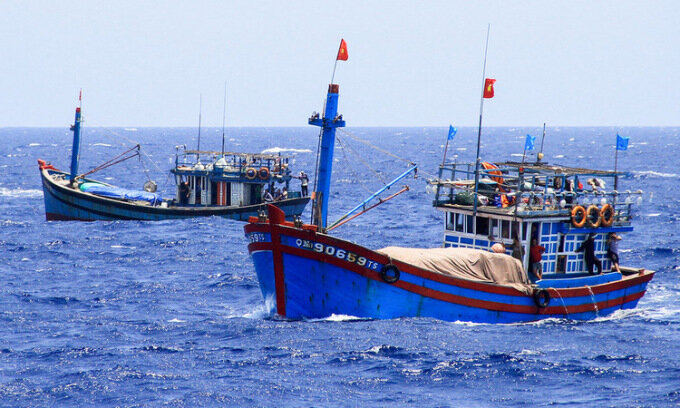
342	52
488	87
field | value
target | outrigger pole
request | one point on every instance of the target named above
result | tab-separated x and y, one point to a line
377	193
479	133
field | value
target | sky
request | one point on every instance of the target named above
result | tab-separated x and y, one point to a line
411	63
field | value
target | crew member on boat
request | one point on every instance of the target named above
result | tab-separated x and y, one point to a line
588	249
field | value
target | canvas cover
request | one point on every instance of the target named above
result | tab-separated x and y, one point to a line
121	193
465	263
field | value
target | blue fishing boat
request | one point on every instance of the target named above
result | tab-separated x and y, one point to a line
484	271
208	183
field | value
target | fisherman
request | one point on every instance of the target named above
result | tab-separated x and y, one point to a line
613	250
267	196
535	255
183	192
304	182
588	249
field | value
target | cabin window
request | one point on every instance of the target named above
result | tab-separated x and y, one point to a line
525	229
482	226
494	229
450	217
469	226
505	229
460	223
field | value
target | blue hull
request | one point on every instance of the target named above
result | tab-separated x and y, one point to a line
65	203
309	275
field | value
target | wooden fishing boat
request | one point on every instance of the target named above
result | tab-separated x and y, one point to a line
229	185
306	273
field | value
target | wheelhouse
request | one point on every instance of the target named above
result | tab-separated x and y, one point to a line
559	206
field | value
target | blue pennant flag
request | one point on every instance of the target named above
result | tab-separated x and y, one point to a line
529	143
452	132
621	142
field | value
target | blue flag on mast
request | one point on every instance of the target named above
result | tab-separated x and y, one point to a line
529	143
621	142
452	132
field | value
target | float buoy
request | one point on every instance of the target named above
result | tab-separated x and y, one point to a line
578	216
607	215
390	273
541	298
251	173
593	218
264	173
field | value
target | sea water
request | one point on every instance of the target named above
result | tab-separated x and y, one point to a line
170	313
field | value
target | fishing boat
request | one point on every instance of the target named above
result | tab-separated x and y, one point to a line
306	273
208	183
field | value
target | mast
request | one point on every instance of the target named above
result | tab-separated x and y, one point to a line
479	133
200	109
224	114
328	123
75	150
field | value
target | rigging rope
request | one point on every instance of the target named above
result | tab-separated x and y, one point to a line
350	167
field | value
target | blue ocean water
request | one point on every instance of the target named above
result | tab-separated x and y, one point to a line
170	313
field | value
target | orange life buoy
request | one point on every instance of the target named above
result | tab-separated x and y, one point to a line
251	173
607	215
593	218
578	216
264	173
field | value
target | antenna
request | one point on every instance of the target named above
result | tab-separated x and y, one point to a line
224	114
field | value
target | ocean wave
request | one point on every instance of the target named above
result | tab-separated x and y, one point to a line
33	144
653	174
274	150
17	192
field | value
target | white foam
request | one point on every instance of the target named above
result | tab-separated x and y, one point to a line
176	320
274	150
17	192
650	173
33	144
102	144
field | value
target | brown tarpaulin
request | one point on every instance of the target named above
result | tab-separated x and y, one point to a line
464	263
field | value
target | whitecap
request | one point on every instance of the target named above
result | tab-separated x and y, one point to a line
559	156
123	247
275	150
33	144
102	144
176	320
130	129
6	192
461	149
653	215
650	173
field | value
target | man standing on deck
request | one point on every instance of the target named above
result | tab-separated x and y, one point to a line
304	182
588	249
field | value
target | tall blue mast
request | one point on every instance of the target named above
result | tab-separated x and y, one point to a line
328	123
75	150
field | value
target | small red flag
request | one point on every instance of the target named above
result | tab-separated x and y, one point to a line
488	87
342	52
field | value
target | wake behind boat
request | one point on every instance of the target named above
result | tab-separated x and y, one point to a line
229	185
310	274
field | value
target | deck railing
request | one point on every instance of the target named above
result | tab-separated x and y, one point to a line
531	192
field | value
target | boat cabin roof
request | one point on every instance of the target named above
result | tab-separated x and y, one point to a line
259	156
